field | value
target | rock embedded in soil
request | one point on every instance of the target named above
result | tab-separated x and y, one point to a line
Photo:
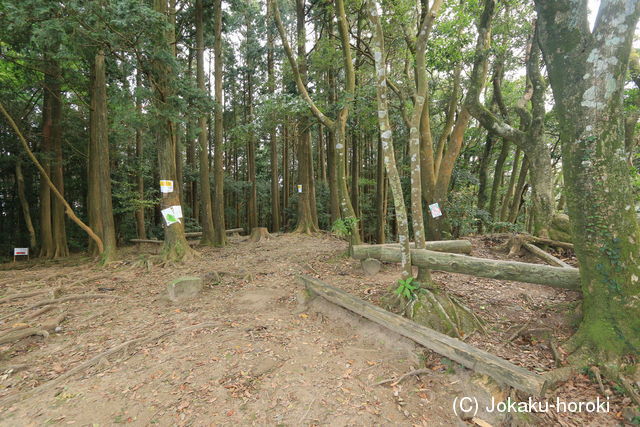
371	266
184	288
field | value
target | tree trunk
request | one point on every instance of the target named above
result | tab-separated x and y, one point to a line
100	190
24	204
140	224
52	81
380	195
206	209
483	174
597	180
334	204
386	136
273	144
175	244
508	195
519	191
218	170
46	233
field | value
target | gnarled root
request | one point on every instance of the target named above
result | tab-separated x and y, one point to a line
435	309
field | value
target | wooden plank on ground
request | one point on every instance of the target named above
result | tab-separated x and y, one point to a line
452	348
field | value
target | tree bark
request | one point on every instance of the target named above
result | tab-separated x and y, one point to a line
24	204
386	136
140	224
598	184
58	229
206	208
175	244
100	191
273	143
218	170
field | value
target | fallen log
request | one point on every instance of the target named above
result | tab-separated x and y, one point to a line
549	242
557	277
545	256
160	242
199	233
452	348
453	246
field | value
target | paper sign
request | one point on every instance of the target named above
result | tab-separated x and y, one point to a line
20	251
166	186
299	188
169	216
435	210
177	211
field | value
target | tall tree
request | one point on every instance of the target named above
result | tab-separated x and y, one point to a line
218	170
162	75
273	143
337	125
99	182
598	185
206	210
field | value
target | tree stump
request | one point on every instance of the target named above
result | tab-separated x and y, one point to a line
259	233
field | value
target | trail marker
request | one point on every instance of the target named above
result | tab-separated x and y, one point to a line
435	210
169	216
299	188
166	186
177	211
20	252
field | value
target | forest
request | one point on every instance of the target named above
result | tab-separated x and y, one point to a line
465	174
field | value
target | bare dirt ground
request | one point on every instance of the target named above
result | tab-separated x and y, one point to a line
254	355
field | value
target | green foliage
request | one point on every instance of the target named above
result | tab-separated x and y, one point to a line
408	288
343	227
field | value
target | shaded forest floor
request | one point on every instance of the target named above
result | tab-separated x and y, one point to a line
265	359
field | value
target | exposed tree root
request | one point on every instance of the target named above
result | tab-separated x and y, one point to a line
415	372
14	297
15	336
43	330
57	301
36	313
435	309
11	399
556	353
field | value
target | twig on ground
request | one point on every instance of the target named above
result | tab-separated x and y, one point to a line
630	391
8	400
596	372
415	372
517	333
556	353
307	412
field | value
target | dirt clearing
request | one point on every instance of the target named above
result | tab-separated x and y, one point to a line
246	352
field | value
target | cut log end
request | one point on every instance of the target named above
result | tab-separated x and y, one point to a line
259	233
